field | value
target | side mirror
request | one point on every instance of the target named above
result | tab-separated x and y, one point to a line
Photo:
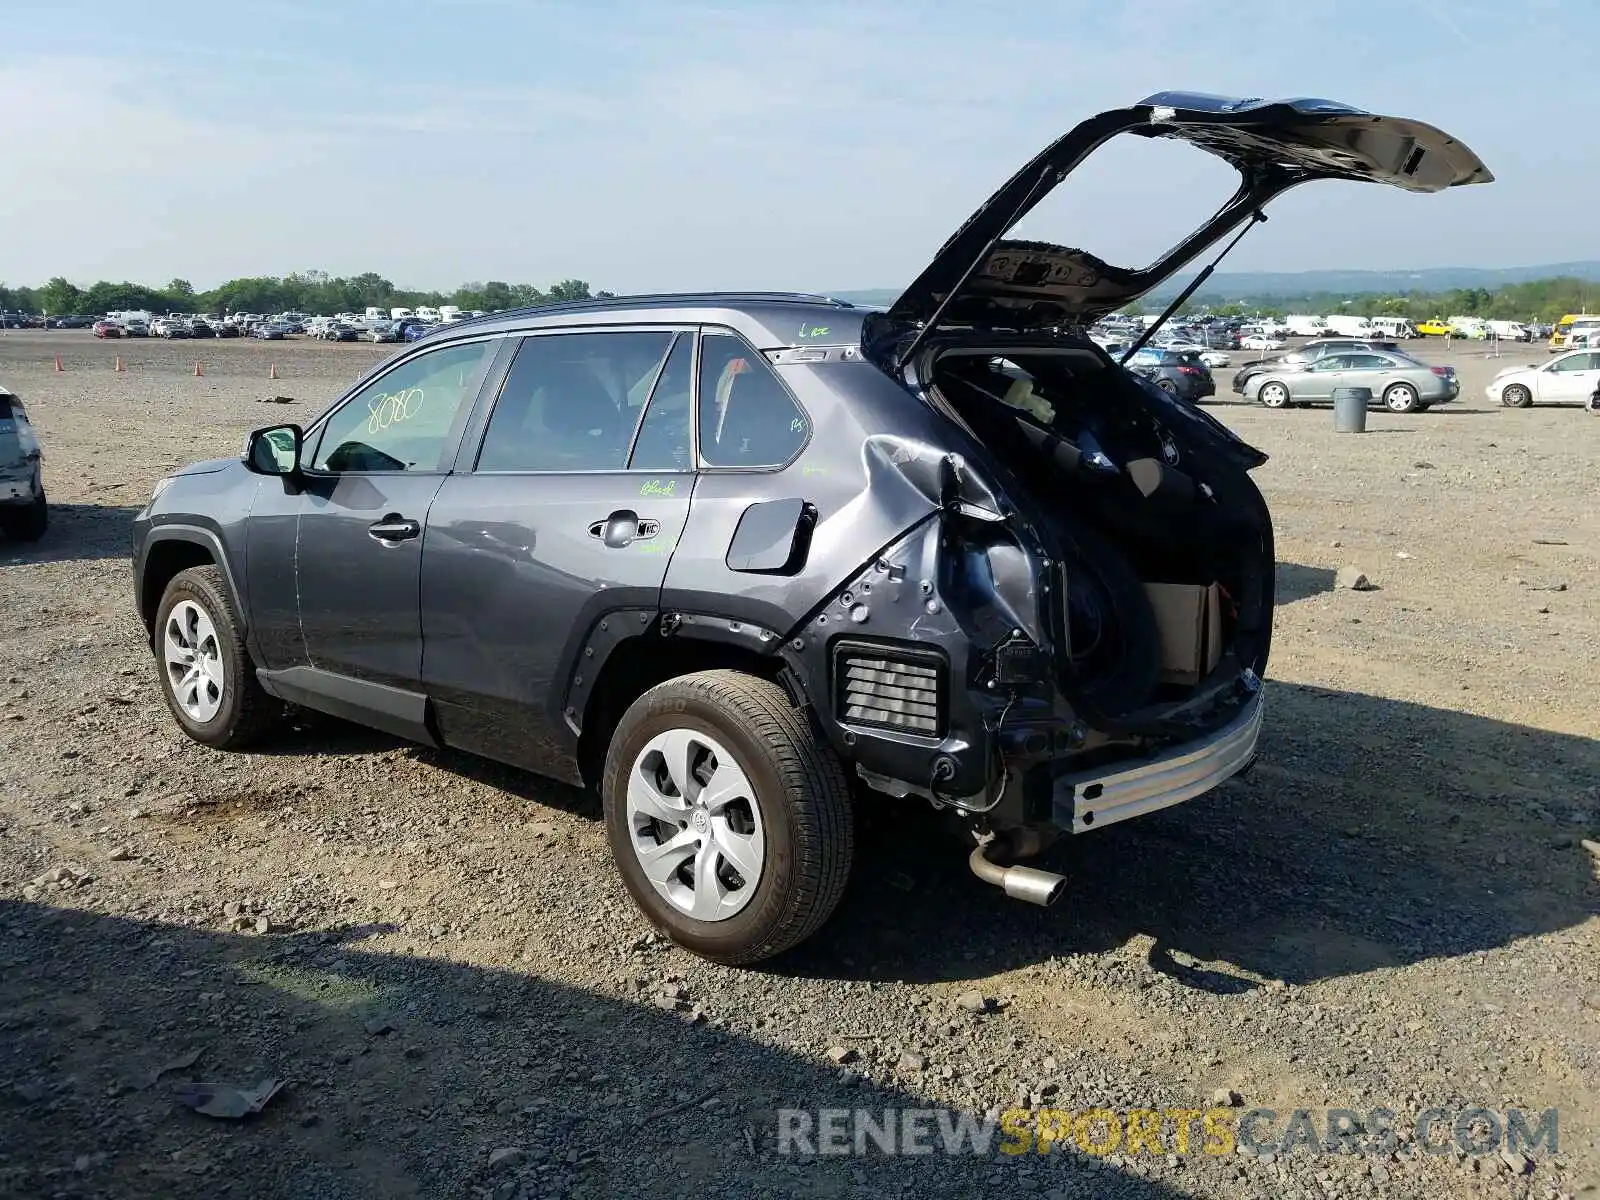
274	450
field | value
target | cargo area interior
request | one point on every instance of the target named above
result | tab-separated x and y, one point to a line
1156	561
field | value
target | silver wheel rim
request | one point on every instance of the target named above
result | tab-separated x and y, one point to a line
194	661
1274	395
1401	398
694	825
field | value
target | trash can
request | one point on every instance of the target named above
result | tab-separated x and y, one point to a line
1350	409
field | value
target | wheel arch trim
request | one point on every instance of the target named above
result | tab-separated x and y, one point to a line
194	535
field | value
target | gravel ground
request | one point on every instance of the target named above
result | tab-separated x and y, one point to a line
1396	909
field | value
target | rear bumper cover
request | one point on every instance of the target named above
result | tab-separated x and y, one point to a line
1091	799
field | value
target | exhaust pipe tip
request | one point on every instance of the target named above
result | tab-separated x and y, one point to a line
1043	888
1034	886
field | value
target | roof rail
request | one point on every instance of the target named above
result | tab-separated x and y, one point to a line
657	298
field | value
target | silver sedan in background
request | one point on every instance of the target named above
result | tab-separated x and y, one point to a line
1397	381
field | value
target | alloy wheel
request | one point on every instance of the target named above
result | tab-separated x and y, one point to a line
193	659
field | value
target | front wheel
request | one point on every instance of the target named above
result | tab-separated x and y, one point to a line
728	817
1275	395
1517	396
1401	398
207	677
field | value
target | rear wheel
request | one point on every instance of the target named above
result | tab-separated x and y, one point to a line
1516	396
1166	385
28	523
1401	398
728	817
1275	395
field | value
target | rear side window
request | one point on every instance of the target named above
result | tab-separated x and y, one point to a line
746	416
663	442
571	401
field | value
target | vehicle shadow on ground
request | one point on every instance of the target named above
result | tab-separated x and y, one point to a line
1372	833
1297	582
76	533
312	733
405	1076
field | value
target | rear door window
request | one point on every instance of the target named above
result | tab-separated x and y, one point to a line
746	418
572	401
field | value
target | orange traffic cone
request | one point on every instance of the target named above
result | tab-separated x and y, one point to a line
59	367
120	367
198	369
273	374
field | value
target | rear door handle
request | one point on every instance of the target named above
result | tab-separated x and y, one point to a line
623	528
392	527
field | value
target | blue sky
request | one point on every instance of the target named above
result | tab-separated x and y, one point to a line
657	144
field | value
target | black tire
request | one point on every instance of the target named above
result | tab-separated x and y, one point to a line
1166	385
1401	398
26	524
246	711
800	789
1517	396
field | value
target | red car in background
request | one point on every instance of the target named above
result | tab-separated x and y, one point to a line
107	329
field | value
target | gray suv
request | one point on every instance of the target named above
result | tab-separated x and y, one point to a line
24	511
743	561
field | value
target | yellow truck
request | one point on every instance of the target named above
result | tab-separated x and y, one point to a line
1575	330
1434	328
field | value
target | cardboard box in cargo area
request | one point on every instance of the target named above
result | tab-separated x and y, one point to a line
1189	618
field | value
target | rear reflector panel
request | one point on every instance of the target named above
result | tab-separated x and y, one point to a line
890	689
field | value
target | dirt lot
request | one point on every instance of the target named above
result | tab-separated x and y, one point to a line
1397	909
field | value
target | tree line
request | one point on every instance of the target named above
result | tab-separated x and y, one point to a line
1546	300
307	292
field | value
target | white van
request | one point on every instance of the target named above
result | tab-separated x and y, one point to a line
1353	327
450	313
1304	325
1510	331
400	314
1394	327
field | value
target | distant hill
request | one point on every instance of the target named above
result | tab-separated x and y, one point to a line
1254	285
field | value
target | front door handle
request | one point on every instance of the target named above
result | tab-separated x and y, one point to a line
392	528
623	528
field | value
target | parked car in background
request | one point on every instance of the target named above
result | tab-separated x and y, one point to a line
1261	341
76	321
1570	378
1435	327
1178	372
1308	353
135	327
414	331
201	328
269	331
383	331
168	327
1398	382
725	558
107	329
226	329
24	511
